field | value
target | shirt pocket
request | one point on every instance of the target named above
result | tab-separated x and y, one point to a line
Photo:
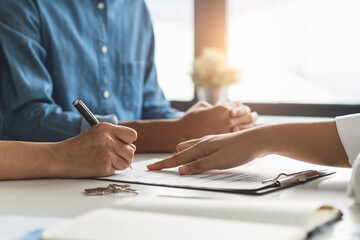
133	77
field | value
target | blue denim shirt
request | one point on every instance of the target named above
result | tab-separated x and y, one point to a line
55	51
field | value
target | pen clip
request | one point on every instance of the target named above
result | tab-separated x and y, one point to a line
293	177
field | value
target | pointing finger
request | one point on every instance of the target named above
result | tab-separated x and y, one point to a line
200	165
191	154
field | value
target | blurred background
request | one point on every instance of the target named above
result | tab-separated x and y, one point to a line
297	57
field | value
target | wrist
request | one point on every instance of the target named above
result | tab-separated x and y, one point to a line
187	128
181	132
55	156
160	135
261	141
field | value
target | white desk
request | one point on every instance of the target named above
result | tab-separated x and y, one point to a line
65	198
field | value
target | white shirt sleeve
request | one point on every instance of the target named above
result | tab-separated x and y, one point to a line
353	190
348	128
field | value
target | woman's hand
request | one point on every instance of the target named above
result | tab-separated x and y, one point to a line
212	152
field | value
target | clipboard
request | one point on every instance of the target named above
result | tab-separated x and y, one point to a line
290	180
231	181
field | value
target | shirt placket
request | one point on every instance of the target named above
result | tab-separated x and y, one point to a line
103	53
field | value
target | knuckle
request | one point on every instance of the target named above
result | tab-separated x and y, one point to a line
106	156
129	163
106	141
131	155
133	135
241	127
222	107
202	103
196	166
123	166
229	123
251	117
177	160
160	164
244	110
129	133
179	147
255	116
103	126
105	170
204	140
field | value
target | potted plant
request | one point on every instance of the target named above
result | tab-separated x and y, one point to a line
212	76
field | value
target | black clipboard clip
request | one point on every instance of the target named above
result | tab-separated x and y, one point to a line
293	178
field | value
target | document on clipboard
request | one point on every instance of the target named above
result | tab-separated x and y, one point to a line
243	179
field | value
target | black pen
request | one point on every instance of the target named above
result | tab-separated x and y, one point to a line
86	113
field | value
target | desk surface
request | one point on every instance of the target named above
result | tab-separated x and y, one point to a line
65	198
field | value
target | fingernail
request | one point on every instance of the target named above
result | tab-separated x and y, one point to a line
184	170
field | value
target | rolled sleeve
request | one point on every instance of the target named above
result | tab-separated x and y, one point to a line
348	128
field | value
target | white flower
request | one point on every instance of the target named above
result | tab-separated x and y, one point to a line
211	70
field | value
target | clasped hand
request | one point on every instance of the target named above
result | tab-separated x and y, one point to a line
203	119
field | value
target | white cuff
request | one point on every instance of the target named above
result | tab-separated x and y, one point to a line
348	128
353	190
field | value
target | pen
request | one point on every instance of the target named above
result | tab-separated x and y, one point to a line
86	113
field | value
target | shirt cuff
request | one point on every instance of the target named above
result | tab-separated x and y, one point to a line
178	114
353	190
111	118
348	128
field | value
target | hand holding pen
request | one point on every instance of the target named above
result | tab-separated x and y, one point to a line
124	149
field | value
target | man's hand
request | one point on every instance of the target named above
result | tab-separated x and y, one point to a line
163	135
211	152
97	152
203	119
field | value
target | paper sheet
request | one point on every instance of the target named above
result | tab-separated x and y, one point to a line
240	178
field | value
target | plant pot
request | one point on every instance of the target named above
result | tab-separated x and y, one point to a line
212	95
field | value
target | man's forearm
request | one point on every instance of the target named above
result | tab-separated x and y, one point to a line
157	135
22	160
310	142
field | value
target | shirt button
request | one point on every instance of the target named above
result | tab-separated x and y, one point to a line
100	5
104	49
106	94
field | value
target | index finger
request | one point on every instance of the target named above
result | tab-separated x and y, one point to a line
188	155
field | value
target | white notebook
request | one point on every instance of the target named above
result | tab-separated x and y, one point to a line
170	218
